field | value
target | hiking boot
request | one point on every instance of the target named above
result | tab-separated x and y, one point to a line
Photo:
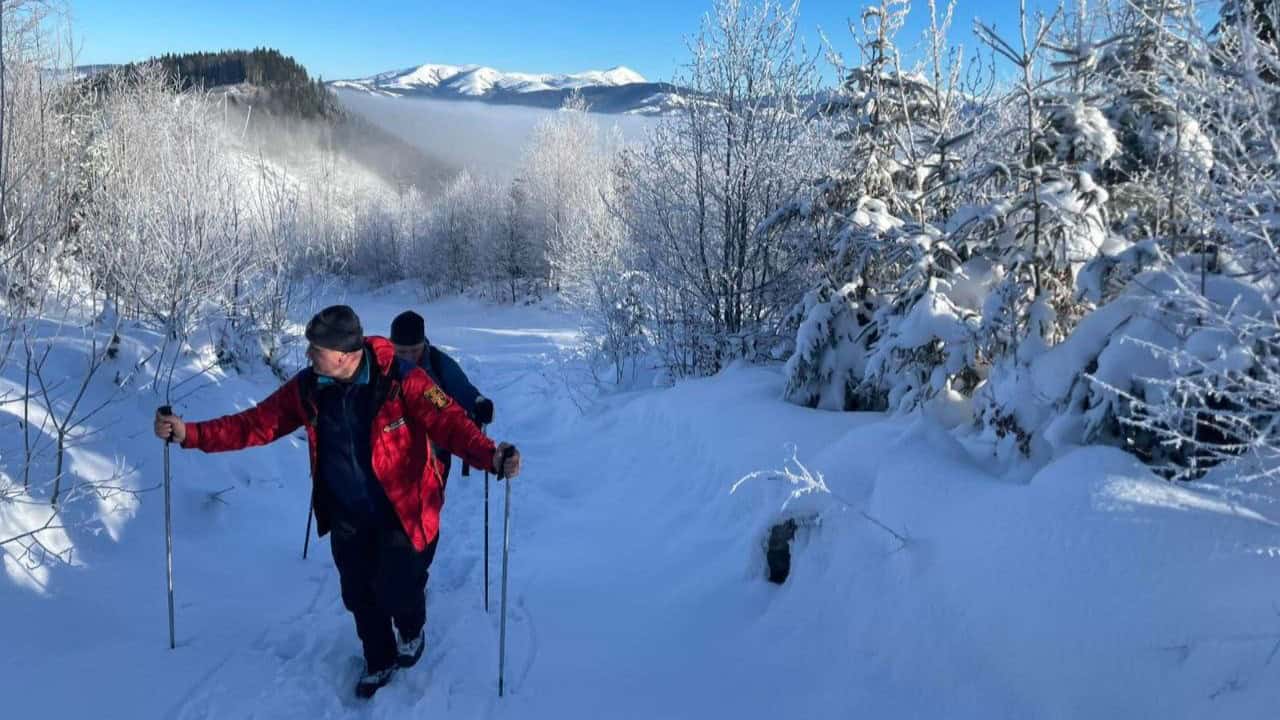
369	683
410	651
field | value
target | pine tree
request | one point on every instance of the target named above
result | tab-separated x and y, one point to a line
1258	19
875	223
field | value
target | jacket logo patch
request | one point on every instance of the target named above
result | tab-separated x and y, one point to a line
394	425
438	398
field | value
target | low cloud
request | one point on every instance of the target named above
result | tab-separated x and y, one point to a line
482	137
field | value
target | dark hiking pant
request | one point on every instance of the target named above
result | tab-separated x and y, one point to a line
383	580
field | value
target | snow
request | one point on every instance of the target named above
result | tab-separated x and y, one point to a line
429	75
619	75
1085	127
474	82
923	584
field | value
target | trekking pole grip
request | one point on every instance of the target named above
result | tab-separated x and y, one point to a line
166	410
507	452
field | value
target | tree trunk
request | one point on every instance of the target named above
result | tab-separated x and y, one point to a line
26	422
57	470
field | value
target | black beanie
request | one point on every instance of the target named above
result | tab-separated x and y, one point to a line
336	328
408	329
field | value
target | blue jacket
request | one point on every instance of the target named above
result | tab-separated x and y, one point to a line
449	376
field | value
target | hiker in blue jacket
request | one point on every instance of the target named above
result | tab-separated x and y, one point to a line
409	336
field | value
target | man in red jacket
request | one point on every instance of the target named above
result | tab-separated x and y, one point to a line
371	421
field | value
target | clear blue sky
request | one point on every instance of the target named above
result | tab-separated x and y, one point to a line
337	39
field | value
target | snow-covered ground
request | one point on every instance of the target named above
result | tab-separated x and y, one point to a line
922	585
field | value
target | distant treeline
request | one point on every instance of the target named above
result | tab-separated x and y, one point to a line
292	91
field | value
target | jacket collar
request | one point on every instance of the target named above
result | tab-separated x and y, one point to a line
362	375
379	359
382	352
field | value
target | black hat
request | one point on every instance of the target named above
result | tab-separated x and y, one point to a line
408	329
336	327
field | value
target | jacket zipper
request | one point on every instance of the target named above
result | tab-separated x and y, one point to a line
357	473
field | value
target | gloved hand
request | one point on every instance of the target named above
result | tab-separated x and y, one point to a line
511	468
484	410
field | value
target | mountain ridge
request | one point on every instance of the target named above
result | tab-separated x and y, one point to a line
616	90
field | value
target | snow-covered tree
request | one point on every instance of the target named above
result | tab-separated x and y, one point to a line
1248	31
876	221
448	257
559	173
45	127
1148	68
511	260
707	179
575	181
42	135
161	182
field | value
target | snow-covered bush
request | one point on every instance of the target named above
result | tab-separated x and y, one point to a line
930	338
832	344
1215	396
1183	379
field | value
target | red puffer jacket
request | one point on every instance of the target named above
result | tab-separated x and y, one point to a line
410	409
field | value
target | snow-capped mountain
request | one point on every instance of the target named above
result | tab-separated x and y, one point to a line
477	80
618	90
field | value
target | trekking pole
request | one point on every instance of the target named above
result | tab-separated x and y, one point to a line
486	537
310	512
486	541
506	545
168	528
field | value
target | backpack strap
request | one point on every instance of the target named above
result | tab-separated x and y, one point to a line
388	385
306	380
433	357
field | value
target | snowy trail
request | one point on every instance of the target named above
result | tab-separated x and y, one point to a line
1092	589
586	624
305	665
616	588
